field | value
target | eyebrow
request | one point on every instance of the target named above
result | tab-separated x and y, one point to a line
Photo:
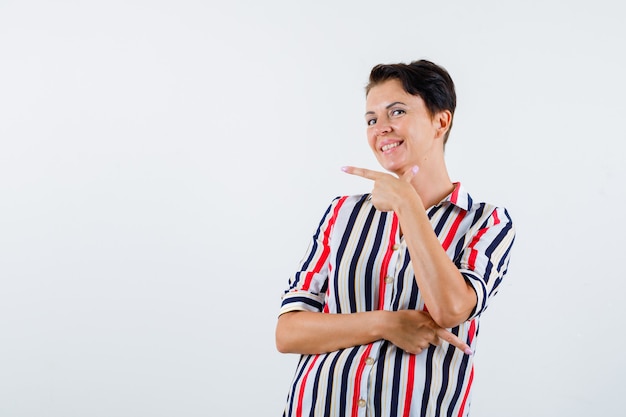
387	107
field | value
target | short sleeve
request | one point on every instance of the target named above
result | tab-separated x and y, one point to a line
307	286
484	261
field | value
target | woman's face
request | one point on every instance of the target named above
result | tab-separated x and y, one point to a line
400	129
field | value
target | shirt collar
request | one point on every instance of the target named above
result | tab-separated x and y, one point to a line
459	197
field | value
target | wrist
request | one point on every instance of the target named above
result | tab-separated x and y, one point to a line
411	203
380	324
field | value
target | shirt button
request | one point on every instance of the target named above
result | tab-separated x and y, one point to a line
396	247
362	403
369	361
389	279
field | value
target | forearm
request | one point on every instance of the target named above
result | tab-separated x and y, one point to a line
448	297
310	332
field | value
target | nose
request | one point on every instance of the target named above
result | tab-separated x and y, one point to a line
382	127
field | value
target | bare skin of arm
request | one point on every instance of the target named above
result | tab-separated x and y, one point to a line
308	332
449	298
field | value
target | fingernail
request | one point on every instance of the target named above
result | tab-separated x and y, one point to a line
469	352
344	169
415	169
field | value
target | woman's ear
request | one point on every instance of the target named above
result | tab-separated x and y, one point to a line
443	119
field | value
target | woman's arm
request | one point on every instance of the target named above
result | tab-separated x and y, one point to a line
313	332
449	297
308	332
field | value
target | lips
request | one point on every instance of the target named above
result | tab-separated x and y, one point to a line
388	146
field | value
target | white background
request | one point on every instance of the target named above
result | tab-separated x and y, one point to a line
163	164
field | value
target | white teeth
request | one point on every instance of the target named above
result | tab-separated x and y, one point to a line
389	146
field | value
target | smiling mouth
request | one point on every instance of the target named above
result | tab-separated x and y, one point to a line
389	146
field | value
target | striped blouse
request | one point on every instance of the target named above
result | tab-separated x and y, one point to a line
357	261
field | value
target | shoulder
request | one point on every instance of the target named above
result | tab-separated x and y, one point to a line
483	214
494	221
345	206
482	209
488	211
350	200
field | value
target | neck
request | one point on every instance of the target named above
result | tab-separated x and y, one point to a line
433	185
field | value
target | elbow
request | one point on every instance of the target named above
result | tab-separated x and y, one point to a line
450	317
284	343
282	348
448	322
453	311
281	344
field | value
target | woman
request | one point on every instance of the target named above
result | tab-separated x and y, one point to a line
385	304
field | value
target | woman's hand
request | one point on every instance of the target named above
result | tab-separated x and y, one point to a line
413	331
388	191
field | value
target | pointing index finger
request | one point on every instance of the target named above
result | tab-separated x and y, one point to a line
362	172
454	340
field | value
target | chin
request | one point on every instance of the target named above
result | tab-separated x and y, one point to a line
393	168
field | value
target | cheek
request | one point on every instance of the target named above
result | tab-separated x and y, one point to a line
371	139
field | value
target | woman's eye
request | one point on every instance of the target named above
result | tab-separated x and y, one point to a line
371	122
397	112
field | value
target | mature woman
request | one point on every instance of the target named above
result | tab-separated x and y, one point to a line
384	306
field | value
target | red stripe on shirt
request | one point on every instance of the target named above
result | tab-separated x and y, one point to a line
303	385
470	337
452	232
326	251
455	194
471	262
357	382
409	386
473	252
496	219
471	332
467	391
385	265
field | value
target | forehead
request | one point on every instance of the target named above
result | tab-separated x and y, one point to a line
388	92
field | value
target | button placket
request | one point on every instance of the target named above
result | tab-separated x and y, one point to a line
390	278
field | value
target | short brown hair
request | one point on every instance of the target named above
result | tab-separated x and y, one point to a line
420	78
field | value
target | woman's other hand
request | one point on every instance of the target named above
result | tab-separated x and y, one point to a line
413	331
